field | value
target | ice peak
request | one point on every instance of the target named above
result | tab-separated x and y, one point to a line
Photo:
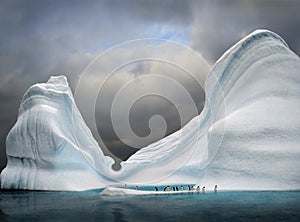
58	80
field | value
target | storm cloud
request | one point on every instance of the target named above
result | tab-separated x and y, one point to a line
43	38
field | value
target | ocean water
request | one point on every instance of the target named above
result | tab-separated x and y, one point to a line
89	206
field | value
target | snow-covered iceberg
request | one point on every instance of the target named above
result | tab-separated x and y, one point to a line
50	147
247	136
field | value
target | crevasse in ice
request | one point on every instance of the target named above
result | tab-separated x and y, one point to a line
247	137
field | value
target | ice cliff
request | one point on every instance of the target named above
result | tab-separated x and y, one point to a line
247	136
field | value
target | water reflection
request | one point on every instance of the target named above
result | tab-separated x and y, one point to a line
118	215
69	206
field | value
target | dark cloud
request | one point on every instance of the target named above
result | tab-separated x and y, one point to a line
220	24
147	106
43	38
175	12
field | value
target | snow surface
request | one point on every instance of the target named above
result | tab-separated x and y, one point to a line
247	137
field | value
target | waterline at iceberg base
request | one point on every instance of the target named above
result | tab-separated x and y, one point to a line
246	138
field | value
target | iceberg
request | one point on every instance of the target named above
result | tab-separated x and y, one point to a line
246	138
50	147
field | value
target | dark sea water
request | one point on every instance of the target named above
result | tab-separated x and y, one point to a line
89	206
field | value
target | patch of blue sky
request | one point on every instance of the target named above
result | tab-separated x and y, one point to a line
169	32
158	31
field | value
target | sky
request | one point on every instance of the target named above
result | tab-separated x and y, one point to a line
39	39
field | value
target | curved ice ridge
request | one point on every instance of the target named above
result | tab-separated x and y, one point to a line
247	136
